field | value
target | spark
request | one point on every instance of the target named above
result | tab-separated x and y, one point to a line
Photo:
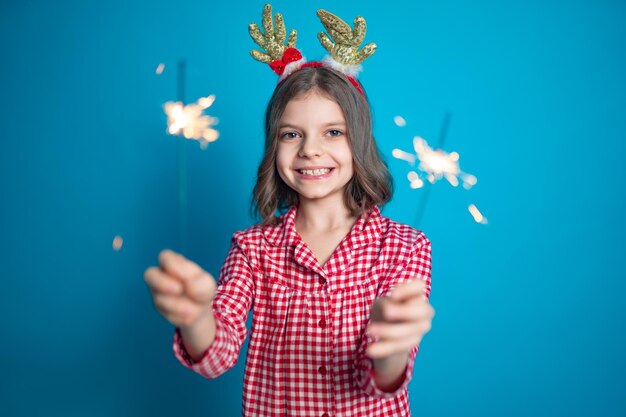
415	180
397	153
478	217
117	243
190	122
454	181
160	68
206	102
468	180
399	121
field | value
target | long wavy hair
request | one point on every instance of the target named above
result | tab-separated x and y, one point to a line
371	183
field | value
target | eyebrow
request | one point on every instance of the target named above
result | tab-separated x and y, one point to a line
338	123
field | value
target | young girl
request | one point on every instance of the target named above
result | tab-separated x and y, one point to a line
339	293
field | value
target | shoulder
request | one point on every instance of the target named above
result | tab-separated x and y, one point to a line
259	234
280	234
244	247
251	236
402	238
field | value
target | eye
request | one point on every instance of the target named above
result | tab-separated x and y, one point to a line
288	135
335	132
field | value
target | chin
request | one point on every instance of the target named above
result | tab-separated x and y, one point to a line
318	196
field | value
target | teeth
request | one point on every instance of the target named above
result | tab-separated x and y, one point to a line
315	171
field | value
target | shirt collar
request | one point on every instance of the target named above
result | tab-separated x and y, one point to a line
367	227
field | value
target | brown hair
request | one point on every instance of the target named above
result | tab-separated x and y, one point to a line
371	183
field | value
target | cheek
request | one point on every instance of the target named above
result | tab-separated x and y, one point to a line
348	160
282	164
281	160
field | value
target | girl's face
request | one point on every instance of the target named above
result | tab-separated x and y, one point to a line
313	154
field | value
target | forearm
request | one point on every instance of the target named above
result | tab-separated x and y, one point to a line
198	336
389	371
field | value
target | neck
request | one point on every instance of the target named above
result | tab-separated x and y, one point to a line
323	215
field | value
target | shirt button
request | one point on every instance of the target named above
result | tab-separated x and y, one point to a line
325	415
322	281
322	370
322	323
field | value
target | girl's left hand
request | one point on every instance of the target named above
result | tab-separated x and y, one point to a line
400	321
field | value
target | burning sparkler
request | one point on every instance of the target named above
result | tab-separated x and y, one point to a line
434	165
190	121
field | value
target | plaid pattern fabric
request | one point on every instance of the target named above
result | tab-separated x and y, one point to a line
306	355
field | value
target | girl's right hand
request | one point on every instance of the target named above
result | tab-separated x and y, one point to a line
181	291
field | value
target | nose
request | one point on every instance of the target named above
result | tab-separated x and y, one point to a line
310	146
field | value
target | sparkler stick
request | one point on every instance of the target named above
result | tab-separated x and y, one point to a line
442	139
190	122
182	164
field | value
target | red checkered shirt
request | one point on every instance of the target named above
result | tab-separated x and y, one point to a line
306	354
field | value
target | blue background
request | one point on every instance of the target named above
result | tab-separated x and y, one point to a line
530	310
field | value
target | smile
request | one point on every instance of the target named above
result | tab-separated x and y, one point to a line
314	173
320	171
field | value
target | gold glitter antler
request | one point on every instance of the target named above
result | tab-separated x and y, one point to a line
347	41
273	39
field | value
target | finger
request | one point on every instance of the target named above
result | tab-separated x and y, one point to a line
179	266
256	35
378	306
176	319
161	282
413	288
408	311
186	318
167	258
326	42
385	348
202	289
397	331
170	305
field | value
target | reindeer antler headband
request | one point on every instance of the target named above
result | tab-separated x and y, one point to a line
342	42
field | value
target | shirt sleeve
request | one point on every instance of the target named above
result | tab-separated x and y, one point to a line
417	266
231	306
